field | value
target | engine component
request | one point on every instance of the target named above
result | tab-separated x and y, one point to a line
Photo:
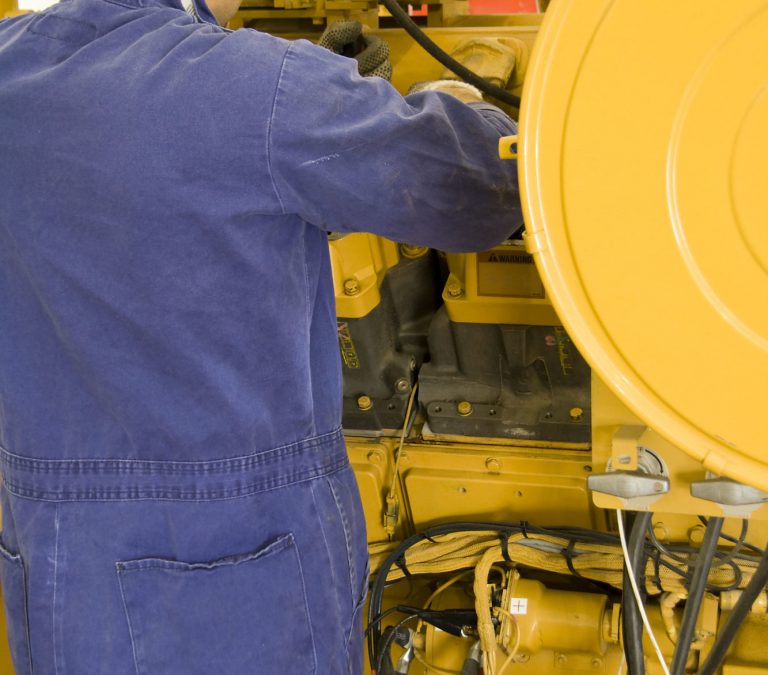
525	383
385	298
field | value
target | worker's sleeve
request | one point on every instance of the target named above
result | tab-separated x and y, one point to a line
351	154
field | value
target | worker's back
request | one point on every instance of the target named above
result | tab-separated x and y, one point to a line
156	308
176	493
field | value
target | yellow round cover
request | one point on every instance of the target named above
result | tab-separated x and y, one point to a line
644	169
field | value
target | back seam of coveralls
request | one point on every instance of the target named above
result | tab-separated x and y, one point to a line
33	463
128	619
328	551
21	492
56	617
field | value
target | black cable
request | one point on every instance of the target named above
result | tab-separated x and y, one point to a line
722	559
663	549
377	590
565	533
386	643
632	622
733	622
695	595
410	27
402	609
740	541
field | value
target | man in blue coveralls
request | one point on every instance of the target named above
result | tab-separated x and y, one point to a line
176	495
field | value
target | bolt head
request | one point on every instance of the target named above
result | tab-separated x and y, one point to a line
454	289
351	287
412	252
576	414
464	408
696	534
402	385
493	465
364	402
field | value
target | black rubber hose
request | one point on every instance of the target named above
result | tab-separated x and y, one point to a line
631	621
410	27
377	592
383	656
733	622
696	594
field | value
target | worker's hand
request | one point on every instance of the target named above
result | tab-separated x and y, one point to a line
460	90
349	38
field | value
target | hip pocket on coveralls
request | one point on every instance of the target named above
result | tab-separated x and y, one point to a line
13	581
241	614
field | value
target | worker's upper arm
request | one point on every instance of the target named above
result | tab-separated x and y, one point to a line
350	154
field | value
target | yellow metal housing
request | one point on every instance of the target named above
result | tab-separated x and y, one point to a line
644	158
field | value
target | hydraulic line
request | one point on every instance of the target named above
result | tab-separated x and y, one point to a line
696	594
740	610
632	624
410	27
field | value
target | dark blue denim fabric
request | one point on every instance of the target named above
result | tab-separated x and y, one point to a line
176	497
246	565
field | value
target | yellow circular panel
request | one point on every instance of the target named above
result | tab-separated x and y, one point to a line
644	169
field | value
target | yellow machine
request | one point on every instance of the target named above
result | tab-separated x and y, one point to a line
513	415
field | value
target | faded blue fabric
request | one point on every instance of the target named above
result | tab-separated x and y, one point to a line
176	494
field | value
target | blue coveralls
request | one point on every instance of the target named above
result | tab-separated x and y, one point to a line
176	494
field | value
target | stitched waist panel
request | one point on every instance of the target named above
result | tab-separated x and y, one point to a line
127	479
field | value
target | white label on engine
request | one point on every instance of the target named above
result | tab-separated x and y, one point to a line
518	606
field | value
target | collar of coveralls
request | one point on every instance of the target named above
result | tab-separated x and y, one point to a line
202	12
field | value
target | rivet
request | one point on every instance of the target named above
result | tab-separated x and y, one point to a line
493	465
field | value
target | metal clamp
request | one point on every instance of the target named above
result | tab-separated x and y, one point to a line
727	492
628	484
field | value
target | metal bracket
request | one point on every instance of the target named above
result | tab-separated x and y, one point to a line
634	474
